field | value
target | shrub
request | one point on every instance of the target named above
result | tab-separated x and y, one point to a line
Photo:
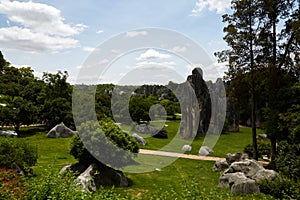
11	184
263	148
52	185
280	188
107	140
288	160
15	152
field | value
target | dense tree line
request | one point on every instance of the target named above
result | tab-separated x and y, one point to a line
26	99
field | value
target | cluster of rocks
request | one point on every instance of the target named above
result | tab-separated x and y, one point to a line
242	174
8	133
60	131
153	131
92	176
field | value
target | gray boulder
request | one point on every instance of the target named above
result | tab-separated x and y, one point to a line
139	139
60	130
265	174
205	150
85	180
151	130
186	147
8	133
245	186
220	165
263	137
95	175
248	167
238	183
231	158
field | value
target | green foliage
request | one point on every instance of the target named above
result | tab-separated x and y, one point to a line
110	139
52	185
17	152
56	99
263	148
288	160
11	184
280	188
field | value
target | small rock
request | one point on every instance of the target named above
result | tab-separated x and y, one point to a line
205	150
265	174
187	148
139	139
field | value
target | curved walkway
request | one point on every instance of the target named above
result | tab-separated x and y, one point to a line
188	156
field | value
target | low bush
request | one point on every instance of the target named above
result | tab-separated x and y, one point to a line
15	152
263	148
107	140
52	185
280	188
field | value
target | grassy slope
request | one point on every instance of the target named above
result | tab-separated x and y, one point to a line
226	143
55	153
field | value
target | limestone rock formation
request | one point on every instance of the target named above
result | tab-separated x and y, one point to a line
60	130
92	176
153	131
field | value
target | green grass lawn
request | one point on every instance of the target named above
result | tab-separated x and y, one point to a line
231	142
182	176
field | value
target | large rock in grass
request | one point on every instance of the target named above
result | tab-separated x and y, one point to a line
8	133
60	130
245	186
153	131
92	176
248	167
242	176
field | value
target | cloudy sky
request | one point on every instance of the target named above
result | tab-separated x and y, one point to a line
61	35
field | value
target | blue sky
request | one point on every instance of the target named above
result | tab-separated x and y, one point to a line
60	35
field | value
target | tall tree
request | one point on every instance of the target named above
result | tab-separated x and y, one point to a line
56	99
241	36
279	42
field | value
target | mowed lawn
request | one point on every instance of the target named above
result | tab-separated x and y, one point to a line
231	142
182	176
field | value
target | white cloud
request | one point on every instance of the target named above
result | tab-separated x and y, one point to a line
179	49
90	49
99	31
26	40
155	65
38	27
213	5
153	54
136	33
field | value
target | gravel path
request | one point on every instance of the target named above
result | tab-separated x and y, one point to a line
188	156
179	155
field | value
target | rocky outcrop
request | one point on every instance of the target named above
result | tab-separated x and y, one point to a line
153	131
60	130
231	158
92	176
220	165
242	175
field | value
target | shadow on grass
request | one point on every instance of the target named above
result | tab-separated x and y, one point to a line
31	130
